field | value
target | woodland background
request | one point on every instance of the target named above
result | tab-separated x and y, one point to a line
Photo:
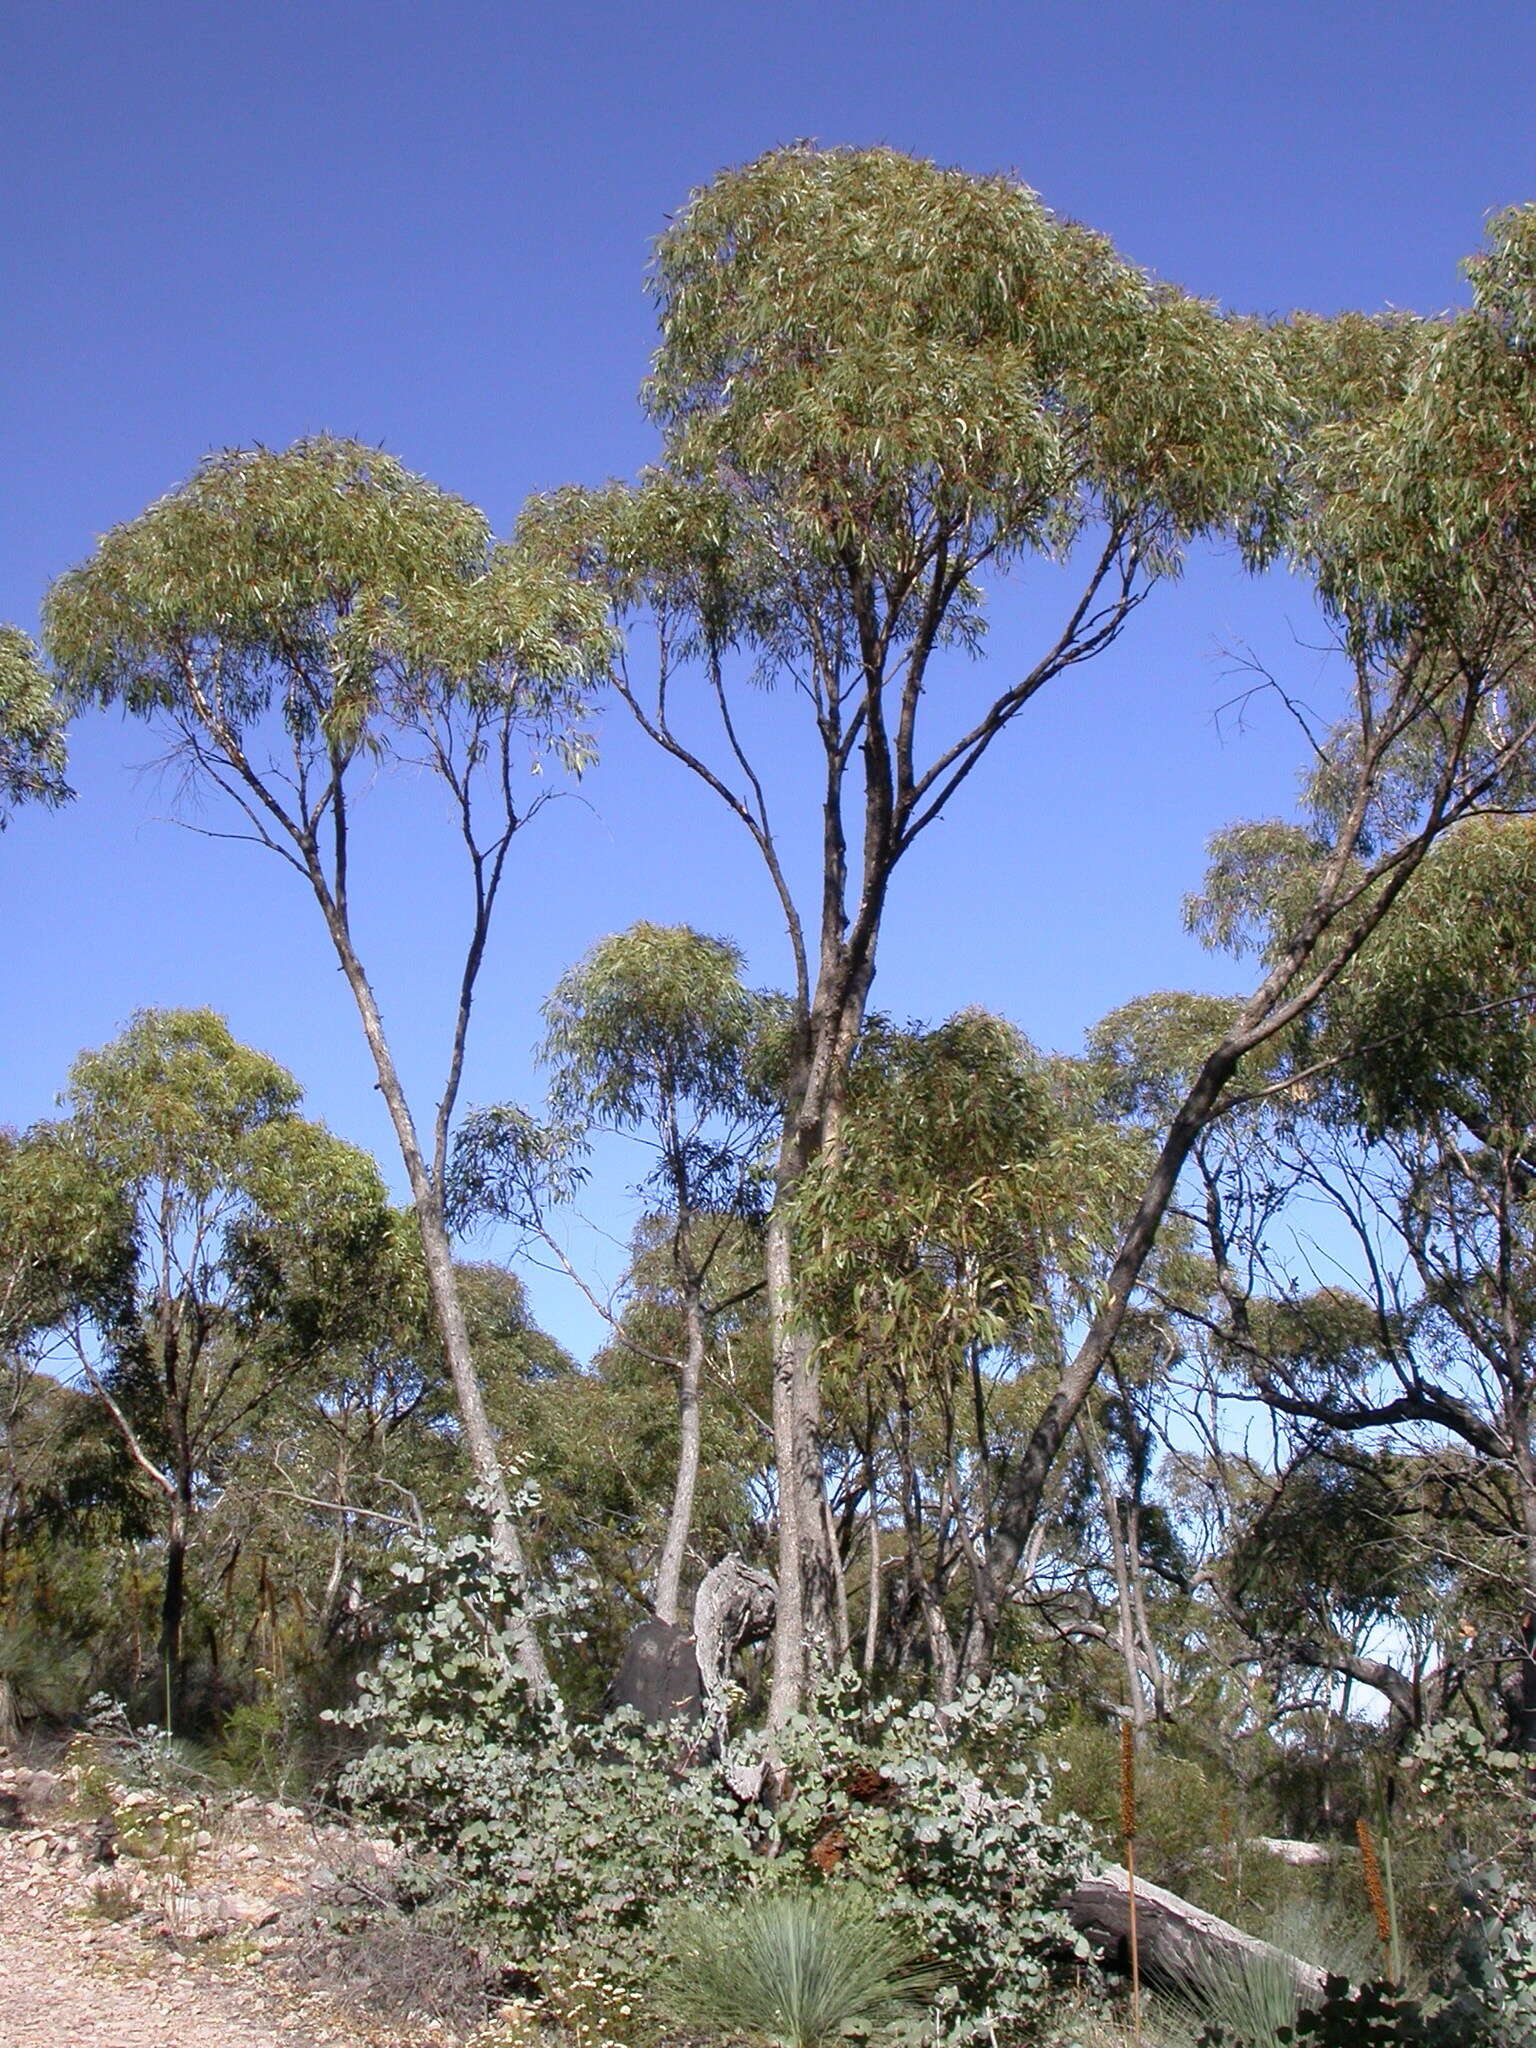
1172	1393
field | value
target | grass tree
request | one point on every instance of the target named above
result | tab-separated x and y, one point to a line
880	385
292	623
798	1969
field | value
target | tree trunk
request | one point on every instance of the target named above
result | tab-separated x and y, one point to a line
1173	1937
791	1654
1120	1560
173	1605
448	1309
872	1609
806	1625
1523	1717
674	1549
733	1604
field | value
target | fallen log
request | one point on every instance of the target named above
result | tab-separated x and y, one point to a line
1176	1940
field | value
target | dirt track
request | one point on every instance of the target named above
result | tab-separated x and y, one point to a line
68	1981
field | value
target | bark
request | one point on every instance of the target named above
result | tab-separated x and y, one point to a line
733	1604
1174	1938
173	1602
872	1610
674	1549
804	1615
1120	1560
448	1309
1523	1720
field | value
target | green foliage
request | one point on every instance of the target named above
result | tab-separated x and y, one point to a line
653	1034
1145	1055
859	325
200	1248
1473	2012
583	1837
146	1786
1495	1987
237	1209
653	1014
325	581
797	1969
1486	1999
1329	1539
31	729
66	1240
1252	2001
1418	511
1437	1014
962	1192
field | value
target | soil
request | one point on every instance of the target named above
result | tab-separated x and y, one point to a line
98	1950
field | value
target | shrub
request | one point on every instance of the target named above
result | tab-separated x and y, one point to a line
577	1840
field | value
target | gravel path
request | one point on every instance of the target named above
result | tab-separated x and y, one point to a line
67	1981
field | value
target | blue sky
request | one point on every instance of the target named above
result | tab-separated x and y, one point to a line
428	226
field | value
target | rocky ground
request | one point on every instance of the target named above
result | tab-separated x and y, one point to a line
138	1922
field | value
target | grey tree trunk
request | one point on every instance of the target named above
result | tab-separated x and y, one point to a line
792	1611
448	1308
1103	1478
1174	1938
674	1549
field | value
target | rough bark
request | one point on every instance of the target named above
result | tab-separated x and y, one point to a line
734	1603
173	1601
659	1678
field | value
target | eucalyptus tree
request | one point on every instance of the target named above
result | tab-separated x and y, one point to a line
934	1252
652	1035
292	623
63	1250
880	384
31	728
218	1187
1412	1127
344	1458
1406	502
